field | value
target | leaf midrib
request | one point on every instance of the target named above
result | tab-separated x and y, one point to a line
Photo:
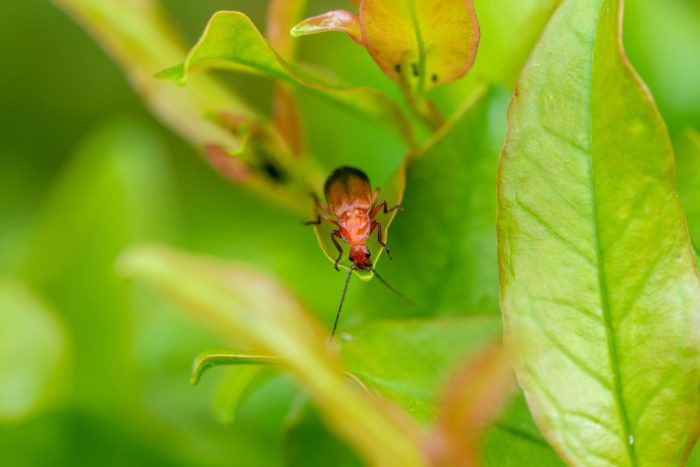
602	281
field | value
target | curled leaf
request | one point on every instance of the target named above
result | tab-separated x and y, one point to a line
211	358
336	20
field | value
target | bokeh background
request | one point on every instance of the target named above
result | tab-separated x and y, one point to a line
94	370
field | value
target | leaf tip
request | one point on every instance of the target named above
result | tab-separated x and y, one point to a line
175	73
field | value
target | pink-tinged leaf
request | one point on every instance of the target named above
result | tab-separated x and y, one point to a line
287	119
420	44
229	167
337	20
281	16
474	397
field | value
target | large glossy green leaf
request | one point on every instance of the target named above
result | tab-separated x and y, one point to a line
248	305
444	242
598	285
231	41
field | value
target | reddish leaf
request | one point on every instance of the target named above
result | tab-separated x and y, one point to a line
337	20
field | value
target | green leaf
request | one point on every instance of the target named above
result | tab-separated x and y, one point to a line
392	193
688	182
231	41
598	285
408	361
420	44
444	242
248	305
34	353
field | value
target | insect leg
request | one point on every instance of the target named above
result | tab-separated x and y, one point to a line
336	233
377	225
375	195
320	218
320	205
378	207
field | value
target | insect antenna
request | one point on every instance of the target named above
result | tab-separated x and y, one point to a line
342	299
392	289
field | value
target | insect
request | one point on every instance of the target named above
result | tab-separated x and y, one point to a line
353	207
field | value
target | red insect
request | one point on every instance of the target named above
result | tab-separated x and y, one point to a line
351	201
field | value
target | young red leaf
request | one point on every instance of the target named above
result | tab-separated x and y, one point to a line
337	20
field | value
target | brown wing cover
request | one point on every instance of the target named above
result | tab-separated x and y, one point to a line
347	189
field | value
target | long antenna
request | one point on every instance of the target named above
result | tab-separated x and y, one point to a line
392	289
342	299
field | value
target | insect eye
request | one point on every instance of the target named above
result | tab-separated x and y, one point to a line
367	254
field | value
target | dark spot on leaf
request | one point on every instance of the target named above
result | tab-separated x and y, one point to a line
434	78
414	67
398	68
274	172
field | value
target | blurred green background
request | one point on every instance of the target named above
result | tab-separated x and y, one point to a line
93	370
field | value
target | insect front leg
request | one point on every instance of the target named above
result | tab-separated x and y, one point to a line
336	233
320	205
320	218
375	195
377	225
378	207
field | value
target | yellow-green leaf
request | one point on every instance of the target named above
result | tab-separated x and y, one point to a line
598	285
231	41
